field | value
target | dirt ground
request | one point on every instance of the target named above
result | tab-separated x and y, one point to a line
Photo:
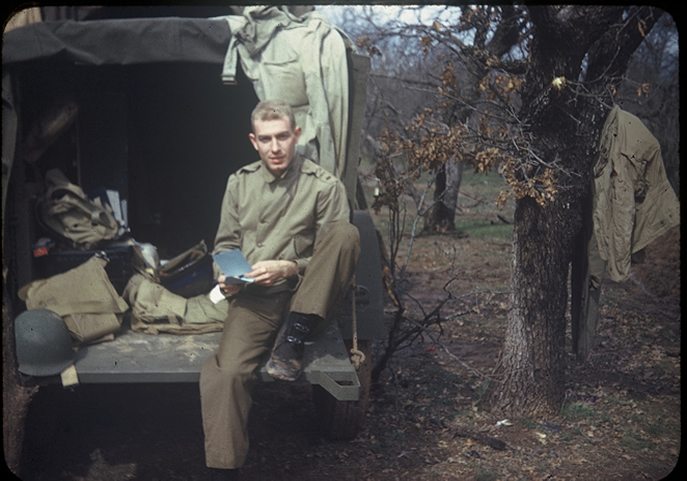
621	420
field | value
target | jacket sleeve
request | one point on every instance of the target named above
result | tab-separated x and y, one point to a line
332	206
228	232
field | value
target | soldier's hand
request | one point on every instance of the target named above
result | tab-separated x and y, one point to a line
228	289
267	273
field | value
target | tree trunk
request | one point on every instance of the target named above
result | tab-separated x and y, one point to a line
532	363
565	128
442	216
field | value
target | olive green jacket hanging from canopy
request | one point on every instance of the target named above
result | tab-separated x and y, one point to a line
302	61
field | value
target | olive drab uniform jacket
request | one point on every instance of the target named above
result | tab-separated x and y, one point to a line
270	217
634	203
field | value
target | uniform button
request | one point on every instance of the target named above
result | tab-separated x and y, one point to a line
259	244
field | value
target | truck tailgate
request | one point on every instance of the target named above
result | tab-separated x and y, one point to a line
134	357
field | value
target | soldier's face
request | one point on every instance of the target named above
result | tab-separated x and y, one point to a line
275	141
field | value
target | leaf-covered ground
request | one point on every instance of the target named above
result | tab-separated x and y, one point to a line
621	419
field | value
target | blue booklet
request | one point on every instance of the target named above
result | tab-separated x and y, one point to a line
234	265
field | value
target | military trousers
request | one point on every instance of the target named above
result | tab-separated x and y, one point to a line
252	323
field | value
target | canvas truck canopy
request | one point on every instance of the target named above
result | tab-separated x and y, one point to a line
303	60
51	49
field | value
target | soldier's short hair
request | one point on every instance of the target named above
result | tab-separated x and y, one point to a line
273	110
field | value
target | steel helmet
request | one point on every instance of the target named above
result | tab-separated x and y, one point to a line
44	345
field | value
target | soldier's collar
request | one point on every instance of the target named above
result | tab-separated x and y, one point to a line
269	177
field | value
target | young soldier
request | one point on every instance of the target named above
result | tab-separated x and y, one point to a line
291	219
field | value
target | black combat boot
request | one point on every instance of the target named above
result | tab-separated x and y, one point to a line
286	362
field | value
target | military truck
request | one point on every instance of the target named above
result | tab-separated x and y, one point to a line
156	110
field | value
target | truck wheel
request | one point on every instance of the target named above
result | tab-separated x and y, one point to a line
341	420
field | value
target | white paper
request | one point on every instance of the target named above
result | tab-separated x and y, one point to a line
216	294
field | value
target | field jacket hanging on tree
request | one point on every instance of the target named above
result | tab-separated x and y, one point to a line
634	203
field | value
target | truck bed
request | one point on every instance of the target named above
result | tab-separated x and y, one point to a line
134	357
146	358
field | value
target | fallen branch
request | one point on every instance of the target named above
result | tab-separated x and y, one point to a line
463	432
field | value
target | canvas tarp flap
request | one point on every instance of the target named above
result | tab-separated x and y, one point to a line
120	41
